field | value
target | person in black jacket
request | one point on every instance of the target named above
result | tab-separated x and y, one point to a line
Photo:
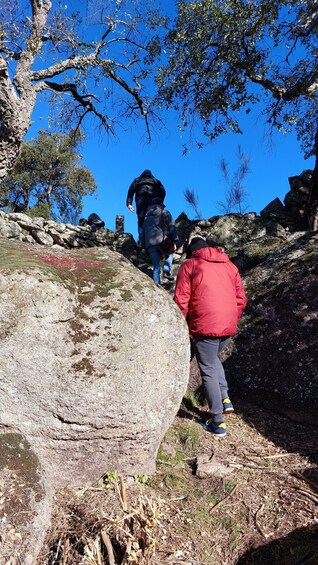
144	188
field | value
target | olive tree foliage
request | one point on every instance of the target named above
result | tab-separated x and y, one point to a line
91	63
224	56
47	178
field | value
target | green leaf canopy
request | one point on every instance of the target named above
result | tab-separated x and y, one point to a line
48	176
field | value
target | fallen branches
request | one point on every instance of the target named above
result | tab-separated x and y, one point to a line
306	493
108	544
302	478
225	499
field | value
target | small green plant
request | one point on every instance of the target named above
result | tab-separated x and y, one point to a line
162	457
109	480
225	521
179	457
229	486
202	517
141	479
195	398
267	504
244	512
213	498
233	544
198	494
236	529
190	436
174	480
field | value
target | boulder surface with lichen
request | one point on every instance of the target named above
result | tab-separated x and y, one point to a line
95	360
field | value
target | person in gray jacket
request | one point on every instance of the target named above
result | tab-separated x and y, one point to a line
158	225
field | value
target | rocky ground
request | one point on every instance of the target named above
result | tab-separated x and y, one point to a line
250	498
259	505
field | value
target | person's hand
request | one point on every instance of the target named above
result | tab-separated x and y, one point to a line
130	207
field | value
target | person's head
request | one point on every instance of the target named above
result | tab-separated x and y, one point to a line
82	222
194	244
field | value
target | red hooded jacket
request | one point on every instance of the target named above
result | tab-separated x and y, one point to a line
210	293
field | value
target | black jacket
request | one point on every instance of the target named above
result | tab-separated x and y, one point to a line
146	185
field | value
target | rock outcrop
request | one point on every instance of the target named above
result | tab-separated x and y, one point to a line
293	213
21	227
95	360
95	357
273	361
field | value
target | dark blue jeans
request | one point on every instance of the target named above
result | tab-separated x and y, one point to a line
142	203
155	255
207	350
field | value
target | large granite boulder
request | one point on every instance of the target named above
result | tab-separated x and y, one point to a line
95	360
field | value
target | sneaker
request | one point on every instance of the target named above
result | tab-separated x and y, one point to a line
215	429
168	275
228	407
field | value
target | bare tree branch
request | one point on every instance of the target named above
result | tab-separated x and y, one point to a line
79	66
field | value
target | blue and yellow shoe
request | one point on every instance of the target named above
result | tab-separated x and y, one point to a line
228	407
215	429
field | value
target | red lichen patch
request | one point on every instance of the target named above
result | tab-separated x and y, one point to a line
69	263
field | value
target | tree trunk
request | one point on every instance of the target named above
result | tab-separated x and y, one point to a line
9	151
15	119
313	194
18	96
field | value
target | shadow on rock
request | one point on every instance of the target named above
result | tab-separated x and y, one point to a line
25	502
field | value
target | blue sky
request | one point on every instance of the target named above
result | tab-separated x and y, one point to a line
116	162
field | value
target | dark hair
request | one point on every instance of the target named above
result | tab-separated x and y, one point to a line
194	244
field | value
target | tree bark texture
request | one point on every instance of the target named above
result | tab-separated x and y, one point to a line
18	96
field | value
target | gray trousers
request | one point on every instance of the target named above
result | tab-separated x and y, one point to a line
207	350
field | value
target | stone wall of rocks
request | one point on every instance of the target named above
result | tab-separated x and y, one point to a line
274	219
21	227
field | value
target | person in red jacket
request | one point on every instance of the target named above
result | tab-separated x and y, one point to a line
210	295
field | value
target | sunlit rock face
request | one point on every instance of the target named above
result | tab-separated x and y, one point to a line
95	360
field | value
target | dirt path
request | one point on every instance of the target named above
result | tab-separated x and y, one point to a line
266	509
262	511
